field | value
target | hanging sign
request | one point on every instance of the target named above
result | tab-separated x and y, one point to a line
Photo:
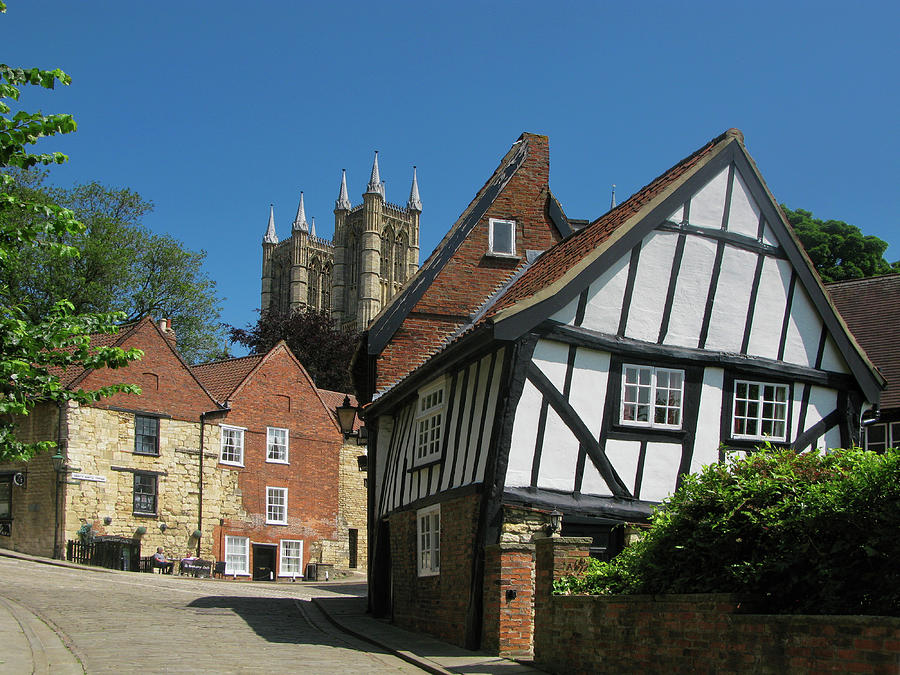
89	476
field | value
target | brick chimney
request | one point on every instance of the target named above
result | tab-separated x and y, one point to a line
165	327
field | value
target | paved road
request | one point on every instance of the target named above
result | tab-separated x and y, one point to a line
122	622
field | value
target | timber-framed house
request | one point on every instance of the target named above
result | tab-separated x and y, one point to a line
527	369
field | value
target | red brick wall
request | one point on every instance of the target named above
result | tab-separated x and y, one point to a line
508	620
167	386
435	604
279	394
471	276
698	634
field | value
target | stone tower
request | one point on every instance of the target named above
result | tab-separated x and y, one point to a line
375	250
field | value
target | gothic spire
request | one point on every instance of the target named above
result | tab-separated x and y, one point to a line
343	201
414	203
271	237
312	228
375	185
300	221
612	201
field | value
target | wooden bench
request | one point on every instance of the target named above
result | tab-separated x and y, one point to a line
149	564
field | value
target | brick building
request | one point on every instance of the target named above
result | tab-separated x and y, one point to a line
202	462
280	443
529	371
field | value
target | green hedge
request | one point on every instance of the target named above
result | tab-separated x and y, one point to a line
810	534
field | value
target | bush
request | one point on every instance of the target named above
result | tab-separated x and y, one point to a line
810	534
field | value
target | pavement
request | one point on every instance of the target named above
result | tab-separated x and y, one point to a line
32	644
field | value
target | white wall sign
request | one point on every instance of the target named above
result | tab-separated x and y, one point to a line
89	476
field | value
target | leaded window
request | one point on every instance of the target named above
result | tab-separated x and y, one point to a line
760	411
429	423
146	435
145	493
428	539
651	397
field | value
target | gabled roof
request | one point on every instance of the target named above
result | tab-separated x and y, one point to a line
564	271
221	378
398	308
71	378
871	308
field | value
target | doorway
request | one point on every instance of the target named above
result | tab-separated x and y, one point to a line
264	562
354	544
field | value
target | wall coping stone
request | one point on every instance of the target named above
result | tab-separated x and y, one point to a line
510	546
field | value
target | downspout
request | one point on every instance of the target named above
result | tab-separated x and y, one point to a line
62	444
203	417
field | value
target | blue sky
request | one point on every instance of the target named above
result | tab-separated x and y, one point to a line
214	110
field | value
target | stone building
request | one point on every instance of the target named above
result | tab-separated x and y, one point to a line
206	460
375	250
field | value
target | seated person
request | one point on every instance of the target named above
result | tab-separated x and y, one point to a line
160	561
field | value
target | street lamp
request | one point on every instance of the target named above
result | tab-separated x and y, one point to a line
59	465
555	522
346	415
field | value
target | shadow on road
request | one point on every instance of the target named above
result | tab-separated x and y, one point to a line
273	619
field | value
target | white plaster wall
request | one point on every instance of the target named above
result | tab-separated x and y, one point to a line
472	440
821	402
385	434
796	408
651	286
604	305
726	325
678	216
489	416
689	300
832	359
588	396
804	330
769	236
559	455
452	441
768	314
623	455
459	474
660	470
708	438
708	204
524	433
832	439
567	314
743	216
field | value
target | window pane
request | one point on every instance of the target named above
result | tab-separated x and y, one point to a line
146	433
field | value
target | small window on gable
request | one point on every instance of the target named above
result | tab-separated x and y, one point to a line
429	422
276	445
428	540
760	411
651	397
502	237
146	435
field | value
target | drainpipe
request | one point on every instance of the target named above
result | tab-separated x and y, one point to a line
62	444
203	417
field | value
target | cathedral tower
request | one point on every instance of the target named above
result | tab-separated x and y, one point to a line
375	250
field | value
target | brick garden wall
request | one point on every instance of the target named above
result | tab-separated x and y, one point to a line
694	633
435	604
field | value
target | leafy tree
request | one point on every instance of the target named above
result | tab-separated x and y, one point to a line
122	266
839	251
32	351
324	350
809	533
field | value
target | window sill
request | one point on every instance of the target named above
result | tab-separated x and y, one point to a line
429	574
272	522
222	461
502	256
143	514
144	454
277	461
426	463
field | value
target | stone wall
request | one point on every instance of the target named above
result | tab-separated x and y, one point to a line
693	633
351	510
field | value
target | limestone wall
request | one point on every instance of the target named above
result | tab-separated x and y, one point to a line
351	510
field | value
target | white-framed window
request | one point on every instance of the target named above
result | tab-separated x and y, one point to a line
880	437
428	540
277	445
760	411
651	397
430	422
237	555
501	236
232	446
276	505
291	562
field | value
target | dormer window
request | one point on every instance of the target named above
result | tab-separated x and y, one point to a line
502	237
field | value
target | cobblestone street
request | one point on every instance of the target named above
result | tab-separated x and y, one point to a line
122	622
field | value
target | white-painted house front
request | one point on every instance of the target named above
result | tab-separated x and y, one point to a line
683	322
